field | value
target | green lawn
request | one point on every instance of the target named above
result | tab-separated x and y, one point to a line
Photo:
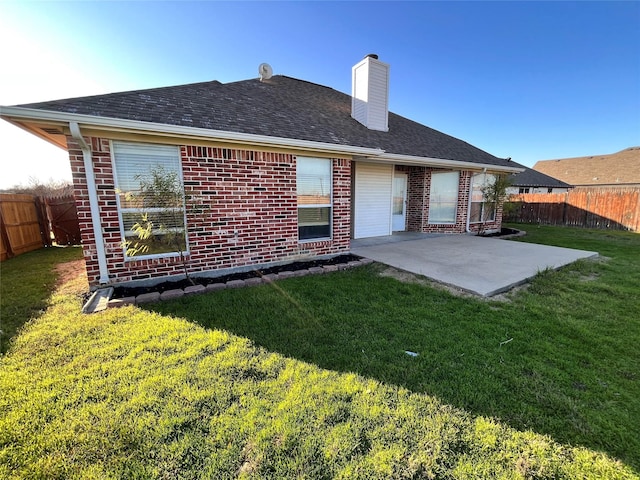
26	281
308	378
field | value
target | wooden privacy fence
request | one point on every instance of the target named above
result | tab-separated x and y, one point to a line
28	223
20	225
607	208
63	220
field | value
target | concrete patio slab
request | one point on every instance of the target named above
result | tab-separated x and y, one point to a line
480	265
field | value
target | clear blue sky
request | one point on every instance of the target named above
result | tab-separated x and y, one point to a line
527	80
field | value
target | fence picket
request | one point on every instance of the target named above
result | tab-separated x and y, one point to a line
607	208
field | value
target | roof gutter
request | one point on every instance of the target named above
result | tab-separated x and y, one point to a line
16	114
93	202
440	162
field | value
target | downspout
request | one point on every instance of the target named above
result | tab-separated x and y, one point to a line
484	172
93	202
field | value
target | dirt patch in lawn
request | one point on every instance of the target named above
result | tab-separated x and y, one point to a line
72	277
589	278
509	294
405	277
408	277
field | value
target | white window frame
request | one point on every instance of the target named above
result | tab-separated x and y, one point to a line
127	234
319	205
433	203
486	179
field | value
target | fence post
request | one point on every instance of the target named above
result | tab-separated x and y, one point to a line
636	225
43	220
586	211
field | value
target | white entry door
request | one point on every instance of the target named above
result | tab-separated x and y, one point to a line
399	207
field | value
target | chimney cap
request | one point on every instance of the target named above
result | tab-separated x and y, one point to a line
372	55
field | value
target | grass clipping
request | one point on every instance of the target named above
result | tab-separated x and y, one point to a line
132	394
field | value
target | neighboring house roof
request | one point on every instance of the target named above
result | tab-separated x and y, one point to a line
532	178
620	169
282	107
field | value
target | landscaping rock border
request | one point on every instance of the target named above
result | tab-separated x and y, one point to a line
506	233
515	234
151	297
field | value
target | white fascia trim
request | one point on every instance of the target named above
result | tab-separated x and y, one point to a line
438	162
21	113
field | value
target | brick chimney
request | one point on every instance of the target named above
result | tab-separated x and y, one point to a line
370	93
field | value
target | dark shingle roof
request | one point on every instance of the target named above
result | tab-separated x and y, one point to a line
279	107
621	168
532	178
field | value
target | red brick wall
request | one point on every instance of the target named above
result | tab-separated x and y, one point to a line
419	185
417	196
241	210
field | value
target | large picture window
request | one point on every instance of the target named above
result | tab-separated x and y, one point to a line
150	198
313	177
443	197
481	211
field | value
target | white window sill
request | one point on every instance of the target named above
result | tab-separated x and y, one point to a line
155	256
314	240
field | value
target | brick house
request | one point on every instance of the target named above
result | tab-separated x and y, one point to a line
278	168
